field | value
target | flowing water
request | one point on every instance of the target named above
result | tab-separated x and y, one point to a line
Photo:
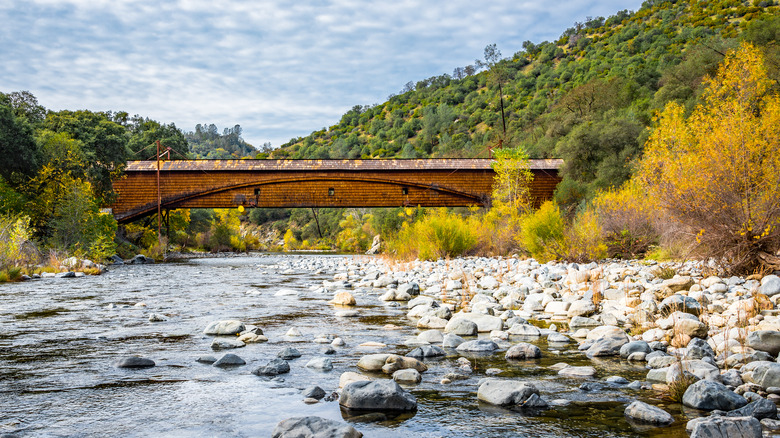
60	340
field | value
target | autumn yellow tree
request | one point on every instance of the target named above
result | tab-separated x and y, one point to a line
717	172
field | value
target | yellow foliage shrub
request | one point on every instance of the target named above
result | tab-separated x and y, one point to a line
717	172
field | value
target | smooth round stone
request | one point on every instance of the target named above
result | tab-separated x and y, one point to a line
289	353
206	359
227	327
409	376
228	360
135	362
314	392
478	346
523	350
618	380
293	332
224	344
338	342
452	341
644	413
637	357
578	372
320	364
557	338
432	336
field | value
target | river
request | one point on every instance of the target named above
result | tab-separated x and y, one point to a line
61	337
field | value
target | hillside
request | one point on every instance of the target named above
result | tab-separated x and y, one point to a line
587	97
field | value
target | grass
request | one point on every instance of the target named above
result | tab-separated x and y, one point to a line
666	273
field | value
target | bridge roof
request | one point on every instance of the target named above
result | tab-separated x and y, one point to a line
336	165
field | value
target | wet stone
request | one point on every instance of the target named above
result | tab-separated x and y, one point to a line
135	362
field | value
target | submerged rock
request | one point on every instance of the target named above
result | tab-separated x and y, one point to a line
314	427
508	393
273	368
227	327
228	360
135	362
644	413
377	395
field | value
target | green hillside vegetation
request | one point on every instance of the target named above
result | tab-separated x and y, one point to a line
207	143
587	97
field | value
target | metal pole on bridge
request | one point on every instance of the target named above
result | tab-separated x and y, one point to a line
159	198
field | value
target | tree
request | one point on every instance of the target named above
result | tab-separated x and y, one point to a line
145	132
18	150
717	172
498	73
103	144
25	105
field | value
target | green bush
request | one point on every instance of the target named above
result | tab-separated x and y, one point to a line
542	233
437	235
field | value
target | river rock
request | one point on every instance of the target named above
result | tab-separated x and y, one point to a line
431	322
225	344
289	353
314	392
343	298
351	376
525	330
394	363
680	303
373	362
506	392
558	338
252	338
765	340
135	362
320	364
156	317
412	289
690	327
708	395
427	351
314	427
698	349
580	322
206	359
485	323
644	413
228	360
273	368
523	350
581	308
461	327
227	327
451	340
724	427
634	347
770	285
584	372
761	408
409	376
395	295
377	395
763	373
478	346
432	336
607	341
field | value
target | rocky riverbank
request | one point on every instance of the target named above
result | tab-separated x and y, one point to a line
719	335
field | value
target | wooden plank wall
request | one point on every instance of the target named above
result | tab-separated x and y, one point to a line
137	191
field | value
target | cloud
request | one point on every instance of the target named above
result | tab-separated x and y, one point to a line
279	69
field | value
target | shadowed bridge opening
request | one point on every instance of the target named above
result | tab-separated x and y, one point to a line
315	183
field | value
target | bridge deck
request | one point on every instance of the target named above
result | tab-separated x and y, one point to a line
314	183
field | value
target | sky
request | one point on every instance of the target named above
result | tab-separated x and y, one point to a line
281	69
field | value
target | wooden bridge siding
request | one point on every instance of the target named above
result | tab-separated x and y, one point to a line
310	188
